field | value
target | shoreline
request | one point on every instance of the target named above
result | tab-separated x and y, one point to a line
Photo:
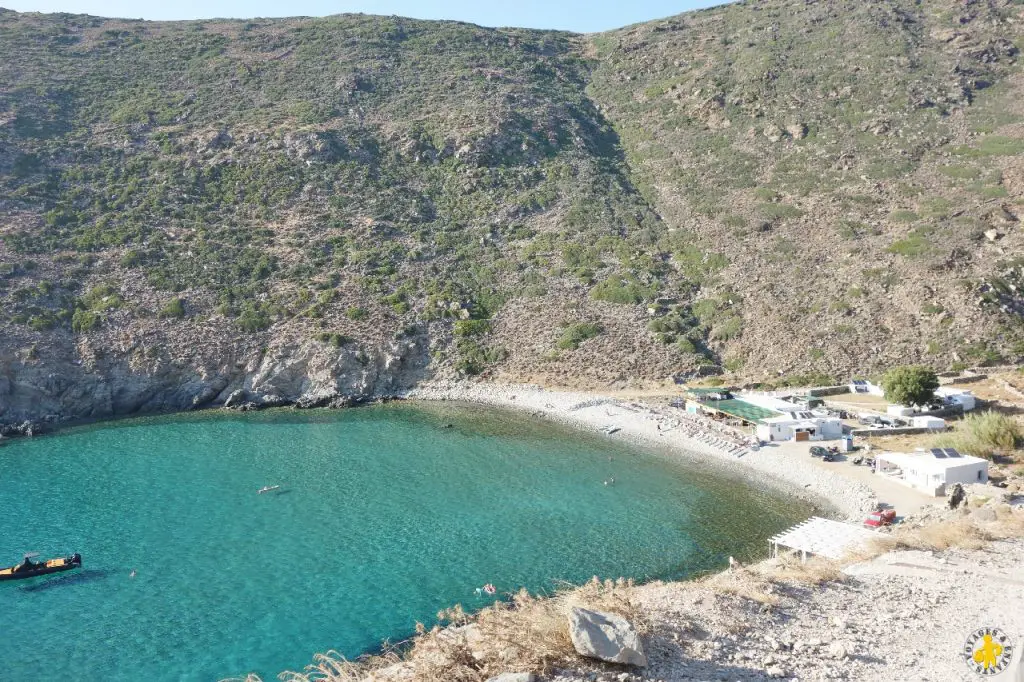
641	424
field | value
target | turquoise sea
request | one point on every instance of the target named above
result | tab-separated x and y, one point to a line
385	515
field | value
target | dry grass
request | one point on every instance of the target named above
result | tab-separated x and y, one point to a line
743	583
525	634
960	533
814	571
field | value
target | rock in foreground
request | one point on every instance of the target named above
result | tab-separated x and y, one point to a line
606	636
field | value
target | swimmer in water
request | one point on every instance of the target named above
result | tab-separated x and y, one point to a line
132	574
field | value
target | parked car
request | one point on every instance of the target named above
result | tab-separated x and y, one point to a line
868	419
877	519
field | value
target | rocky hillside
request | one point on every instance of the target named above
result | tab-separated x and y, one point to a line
335	208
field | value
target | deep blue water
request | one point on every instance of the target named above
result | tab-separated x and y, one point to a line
384	517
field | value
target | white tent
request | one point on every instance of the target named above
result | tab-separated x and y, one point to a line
931	471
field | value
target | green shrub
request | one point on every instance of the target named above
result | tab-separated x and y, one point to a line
779	211
253	318
984	435
727	329
624	291
993	145
85	320
575	334
335	339
686	346
356	313
915	244
474	358
465	328
960	172
903	216
102	297
174	308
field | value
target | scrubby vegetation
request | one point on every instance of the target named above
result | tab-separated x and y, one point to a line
387	172
984	434
575	334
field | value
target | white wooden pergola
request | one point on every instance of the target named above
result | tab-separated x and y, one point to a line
823	537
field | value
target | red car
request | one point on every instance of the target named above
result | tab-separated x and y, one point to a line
880	518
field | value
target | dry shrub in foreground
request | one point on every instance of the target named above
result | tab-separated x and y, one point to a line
525	634
745	584
961	533
814	571
939	536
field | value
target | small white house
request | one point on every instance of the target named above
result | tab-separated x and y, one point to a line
799	426
956	396
933	470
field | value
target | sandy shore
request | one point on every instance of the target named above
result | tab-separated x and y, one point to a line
782	467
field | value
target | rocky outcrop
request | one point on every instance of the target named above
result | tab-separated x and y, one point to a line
606	636
304	373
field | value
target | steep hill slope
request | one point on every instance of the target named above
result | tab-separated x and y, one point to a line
339	207
846	159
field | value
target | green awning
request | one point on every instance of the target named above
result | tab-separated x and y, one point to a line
742	410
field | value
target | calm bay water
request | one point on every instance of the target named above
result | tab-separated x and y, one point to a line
384	517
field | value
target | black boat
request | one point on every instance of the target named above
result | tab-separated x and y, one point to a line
30	569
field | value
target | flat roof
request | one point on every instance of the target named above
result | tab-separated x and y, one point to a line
938	459
824	537
743	410
801	418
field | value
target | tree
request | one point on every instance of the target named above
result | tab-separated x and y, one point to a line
910	385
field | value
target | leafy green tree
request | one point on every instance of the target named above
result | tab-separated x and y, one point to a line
912	385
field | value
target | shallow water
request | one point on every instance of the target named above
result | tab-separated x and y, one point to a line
384	516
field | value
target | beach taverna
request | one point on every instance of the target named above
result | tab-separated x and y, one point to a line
933	470
799	426
774	419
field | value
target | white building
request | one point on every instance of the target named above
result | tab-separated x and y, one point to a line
799	426
956	396
928	422
933	470
899	411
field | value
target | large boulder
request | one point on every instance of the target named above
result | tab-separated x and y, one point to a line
606	636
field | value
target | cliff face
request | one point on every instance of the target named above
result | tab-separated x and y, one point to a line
130	381
726	191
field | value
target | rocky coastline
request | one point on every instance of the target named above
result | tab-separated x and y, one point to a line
36	397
